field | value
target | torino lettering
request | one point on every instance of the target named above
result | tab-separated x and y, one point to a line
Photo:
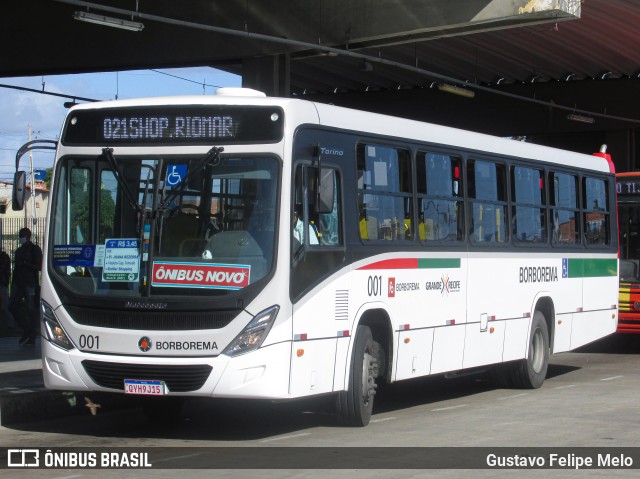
540	274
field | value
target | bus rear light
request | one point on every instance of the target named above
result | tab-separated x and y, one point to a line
52	329
254	334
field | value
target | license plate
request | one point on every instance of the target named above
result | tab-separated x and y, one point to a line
145	387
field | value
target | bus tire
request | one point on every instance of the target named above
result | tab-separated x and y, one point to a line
355	405
530	373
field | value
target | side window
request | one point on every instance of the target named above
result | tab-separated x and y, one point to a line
384	193
80	206
440	205
528	215
565	218
316	216
327	216
107	205
596	212
487	193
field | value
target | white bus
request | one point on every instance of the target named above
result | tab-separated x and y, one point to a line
241	246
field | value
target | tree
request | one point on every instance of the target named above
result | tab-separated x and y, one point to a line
47	178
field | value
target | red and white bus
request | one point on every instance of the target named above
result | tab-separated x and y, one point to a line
242	246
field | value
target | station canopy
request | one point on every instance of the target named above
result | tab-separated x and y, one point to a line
392	56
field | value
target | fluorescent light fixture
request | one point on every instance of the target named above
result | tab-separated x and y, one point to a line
108	21
580	118
456	90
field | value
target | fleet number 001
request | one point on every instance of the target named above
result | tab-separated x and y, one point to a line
374	285
89	341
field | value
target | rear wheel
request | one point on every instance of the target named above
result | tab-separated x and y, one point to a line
355	405
531	372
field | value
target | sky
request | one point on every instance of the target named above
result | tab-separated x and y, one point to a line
45	113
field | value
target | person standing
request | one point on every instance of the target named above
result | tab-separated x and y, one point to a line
24	287
5	277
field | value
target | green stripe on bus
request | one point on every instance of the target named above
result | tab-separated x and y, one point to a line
592	268
438	263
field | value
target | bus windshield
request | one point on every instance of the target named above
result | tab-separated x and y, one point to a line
136	226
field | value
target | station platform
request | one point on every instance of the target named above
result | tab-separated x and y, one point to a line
23	397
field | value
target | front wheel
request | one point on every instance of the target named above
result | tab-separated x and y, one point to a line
355	405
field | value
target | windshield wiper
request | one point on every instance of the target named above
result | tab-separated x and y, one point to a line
108	154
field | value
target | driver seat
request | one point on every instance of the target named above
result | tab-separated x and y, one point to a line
176	231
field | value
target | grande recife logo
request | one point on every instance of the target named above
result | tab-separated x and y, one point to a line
200	275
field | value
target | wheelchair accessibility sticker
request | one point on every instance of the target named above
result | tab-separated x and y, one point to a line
175	174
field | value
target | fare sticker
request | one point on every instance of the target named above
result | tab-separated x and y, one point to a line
121	260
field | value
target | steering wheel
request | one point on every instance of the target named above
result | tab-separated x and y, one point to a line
189	209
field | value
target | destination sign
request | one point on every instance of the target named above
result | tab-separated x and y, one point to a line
628	186
174	125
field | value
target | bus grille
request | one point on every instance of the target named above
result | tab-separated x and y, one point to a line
152	320
177	378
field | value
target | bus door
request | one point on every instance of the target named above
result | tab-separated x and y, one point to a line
319	290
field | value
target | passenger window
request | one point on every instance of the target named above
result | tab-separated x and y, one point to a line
440	203
596	212
487	193
565	226
528	215
384	193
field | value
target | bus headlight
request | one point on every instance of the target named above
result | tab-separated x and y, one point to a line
254	334
52	328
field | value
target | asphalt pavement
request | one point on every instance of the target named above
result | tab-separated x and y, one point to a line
23	397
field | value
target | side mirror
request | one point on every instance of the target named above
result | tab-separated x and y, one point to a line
326	190
18	193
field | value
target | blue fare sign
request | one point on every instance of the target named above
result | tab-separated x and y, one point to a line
74	255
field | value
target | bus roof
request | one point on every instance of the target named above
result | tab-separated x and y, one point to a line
372	123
